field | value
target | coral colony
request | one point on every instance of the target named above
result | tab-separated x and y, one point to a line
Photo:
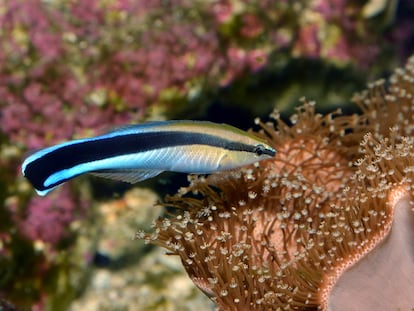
329	220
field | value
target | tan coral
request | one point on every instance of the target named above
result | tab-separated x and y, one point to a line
285	233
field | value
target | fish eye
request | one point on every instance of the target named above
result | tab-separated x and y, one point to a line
259	150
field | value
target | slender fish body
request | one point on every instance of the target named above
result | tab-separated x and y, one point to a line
138	152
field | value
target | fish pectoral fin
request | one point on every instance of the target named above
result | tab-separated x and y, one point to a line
127	175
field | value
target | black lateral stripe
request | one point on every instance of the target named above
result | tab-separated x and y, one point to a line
77	153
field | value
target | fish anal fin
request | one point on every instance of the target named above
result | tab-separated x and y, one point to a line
127	175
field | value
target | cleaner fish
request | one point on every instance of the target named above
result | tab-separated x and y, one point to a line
142	151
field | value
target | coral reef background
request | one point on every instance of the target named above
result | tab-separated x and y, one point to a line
70	69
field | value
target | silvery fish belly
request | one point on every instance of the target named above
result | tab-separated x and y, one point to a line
142	151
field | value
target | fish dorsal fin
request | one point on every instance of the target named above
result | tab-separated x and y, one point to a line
127	175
